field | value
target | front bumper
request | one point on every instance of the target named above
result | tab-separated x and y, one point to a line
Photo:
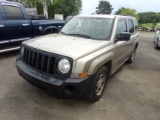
69	88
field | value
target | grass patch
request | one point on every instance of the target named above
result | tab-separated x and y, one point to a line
148	25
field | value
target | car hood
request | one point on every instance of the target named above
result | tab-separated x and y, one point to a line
74	47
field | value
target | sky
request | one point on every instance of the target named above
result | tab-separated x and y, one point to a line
89	6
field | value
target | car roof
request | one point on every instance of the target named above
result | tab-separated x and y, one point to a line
106	16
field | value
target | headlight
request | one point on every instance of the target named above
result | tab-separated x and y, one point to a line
64	66
22	51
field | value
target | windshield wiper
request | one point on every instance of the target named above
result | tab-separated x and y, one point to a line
63	33
81	35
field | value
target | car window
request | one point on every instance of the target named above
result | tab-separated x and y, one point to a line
13	12
131	26
136	25
122	26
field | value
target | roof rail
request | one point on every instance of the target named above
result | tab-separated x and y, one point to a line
126	15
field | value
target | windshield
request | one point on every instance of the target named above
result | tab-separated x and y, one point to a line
93	28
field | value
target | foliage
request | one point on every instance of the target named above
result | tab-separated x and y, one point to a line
32	3
65	7
51	11
27	3
104	7
146	25
128	11
149	25
149	17
119	11
39	7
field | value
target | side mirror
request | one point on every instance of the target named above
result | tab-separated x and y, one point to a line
124	36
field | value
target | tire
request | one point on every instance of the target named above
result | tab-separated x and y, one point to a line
47	33
132	57
51	31
98	86
156	45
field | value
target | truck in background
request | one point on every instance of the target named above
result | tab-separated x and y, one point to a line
16	26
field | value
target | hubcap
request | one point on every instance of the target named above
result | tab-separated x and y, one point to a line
100	84
133	55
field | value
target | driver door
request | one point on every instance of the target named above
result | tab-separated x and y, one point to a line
120	48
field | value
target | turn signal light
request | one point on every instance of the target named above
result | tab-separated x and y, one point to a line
84	74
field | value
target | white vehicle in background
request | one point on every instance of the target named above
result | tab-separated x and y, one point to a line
157	39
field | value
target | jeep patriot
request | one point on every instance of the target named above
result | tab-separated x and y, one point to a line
78	61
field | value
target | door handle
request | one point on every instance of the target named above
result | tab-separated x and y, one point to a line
1	26
25	25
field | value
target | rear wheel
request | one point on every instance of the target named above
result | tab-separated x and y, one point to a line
98	86
132	57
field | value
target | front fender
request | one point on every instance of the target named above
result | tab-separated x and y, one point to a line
99	62
92	62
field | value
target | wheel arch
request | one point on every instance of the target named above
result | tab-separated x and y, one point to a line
51	29
136	46
105	60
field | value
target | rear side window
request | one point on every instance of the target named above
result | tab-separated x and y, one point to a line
131	26
136	25
122	26
13	12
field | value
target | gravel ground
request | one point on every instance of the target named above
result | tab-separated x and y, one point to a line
133	93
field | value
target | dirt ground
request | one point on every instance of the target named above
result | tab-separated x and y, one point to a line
133	93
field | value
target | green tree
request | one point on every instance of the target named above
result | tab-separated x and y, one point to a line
104	7
129	11
32	3
65	7
39	7
149	17
27	3
119	11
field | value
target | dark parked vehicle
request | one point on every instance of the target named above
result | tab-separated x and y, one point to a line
16	26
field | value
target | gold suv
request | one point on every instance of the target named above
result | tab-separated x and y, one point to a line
79	60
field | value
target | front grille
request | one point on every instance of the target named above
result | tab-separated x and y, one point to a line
44	62
39	60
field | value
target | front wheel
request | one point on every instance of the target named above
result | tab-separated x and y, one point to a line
98	86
